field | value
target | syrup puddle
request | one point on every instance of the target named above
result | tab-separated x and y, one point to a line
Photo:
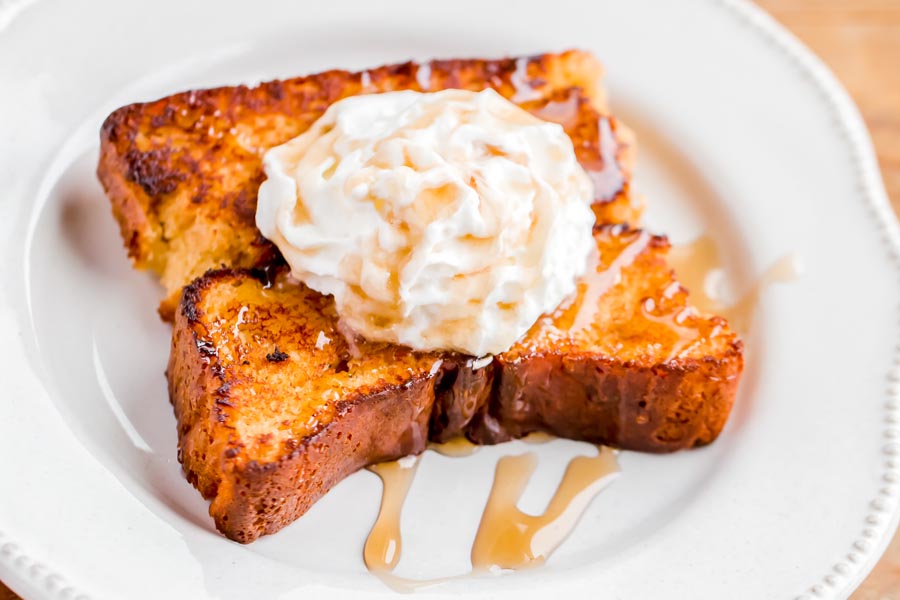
537	437
511	539
456	447
460	446
507	538
697	264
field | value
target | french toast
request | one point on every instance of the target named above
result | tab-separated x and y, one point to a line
276	403
182	172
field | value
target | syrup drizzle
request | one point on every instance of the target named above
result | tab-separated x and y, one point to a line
511	539
696	263
538	437
564	112
607	177
507	537
456	447
602	164
523	91
383	546
423	76
580	313
740	314
686	336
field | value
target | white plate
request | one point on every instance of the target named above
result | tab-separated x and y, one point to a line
742	131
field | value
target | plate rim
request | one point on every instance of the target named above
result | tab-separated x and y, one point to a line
24	571
842	577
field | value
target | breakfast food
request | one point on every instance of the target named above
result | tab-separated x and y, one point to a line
182	173
275	404
442	221
277	394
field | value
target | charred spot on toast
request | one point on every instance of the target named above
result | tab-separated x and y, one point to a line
151	170
277	356
390	76
190	297
272	265
121	125
192	293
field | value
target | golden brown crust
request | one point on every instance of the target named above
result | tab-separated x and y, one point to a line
275	405
661	408
182	172
268	421
260	498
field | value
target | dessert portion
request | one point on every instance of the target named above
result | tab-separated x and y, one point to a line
442	221
276	403
183	172
442	276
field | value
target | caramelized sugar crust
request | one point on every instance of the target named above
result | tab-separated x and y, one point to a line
183	172
275	404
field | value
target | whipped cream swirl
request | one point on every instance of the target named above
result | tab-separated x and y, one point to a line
443	221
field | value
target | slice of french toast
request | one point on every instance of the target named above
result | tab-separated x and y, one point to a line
182	172
275	404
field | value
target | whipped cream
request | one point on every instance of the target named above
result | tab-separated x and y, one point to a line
443	221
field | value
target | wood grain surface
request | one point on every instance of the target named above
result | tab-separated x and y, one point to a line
860	41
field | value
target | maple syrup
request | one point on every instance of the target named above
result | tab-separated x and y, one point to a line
695	263
564	112
601	167
507	537
603	273
606	175
740	314
383	546
538	437
686	336
456	447
523	91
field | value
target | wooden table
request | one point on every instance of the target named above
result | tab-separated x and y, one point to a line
860	41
